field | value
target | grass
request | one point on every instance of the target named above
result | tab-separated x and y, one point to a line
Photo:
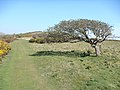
60	66
18	71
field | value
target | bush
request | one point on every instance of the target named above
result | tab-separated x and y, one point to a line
37	40
32	40
40	40
4	48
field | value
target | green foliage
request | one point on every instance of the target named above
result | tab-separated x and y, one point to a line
37	40
32	40
40	40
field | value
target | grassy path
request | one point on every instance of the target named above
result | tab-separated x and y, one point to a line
19	72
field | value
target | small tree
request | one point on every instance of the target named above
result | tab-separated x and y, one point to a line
90	31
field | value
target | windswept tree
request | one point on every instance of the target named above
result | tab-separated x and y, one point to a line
90	31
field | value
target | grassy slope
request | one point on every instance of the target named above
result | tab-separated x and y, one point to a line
72	72
56	70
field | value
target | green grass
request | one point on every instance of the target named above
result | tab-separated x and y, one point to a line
60	66
18	72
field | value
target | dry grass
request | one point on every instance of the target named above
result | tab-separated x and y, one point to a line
80	46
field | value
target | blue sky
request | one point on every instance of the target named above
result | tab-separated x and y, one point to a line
19	16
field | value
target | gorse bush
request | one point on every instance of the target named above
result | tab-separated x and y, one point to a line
4	48
37	40
32	40
40	40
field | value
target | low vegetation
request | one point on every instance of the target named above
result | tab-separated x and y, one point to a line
8	38
4	49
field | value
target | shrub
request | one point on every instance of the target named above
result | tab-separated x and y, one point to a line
40	40
32	40
4	48
37	40
8	38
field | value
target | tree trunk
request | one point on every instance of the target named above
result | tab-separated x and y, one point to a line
97	50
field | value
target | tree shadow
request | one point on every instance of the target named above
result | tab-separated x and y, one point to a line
61	53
